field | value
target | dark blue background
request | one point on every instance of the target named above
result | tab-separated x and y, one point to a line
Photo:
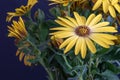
10	67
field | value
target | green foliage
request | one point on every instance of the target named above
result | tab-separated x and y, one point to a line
60	66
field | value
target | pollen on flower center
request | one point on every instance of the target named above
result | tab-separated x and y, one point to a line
82	31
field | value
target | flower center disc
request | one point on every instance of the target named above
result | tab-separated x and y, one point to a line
82	31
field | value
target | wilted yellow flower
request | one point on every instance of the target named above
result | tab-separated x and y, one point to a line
25	57
117	41
81	33
56	42
17	30
21	10
79	4
63	2
108	5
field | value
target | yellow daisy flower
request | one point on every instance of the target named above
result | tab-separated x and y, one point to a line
17	30
21	10
63	2
108	5
81	33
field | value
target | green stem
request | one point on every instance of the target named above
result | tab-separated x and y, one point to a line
46	69
64	57
90	76
34	46
42	61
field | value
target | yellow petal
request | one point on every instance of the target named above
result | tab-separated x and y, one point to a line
114	2
18	52
90	45
105	6
83	48
96	20
72	20
62	28
67	41
106	36
21	56
66	21
98	41
78	46
71	44
60	32
97	4
78	19
83	19
62	23
90	18
112	11
65	35
104	29
117	7
101	24
105	40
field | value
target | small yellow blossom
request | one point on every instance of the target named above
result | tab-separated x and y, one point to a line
21	10
24	56
56	42
17	30
81	32
110	6
63	2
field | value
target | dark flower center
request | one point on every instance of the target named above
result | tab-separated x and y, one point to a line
82	31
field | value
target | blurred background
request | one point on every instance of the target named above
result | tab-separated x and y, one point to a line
10	67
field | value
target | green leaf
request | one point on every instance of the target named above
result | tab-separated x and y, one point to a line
39	16
109	75
112	67
55	11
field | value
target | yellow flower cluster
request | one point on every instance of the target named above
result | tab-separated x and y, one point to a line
22	10
110	6
64	2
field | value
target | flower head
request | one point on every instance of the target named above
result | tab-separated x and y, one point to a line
56	42
17	30
63	2
81	33
108	5
21	10
24	57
